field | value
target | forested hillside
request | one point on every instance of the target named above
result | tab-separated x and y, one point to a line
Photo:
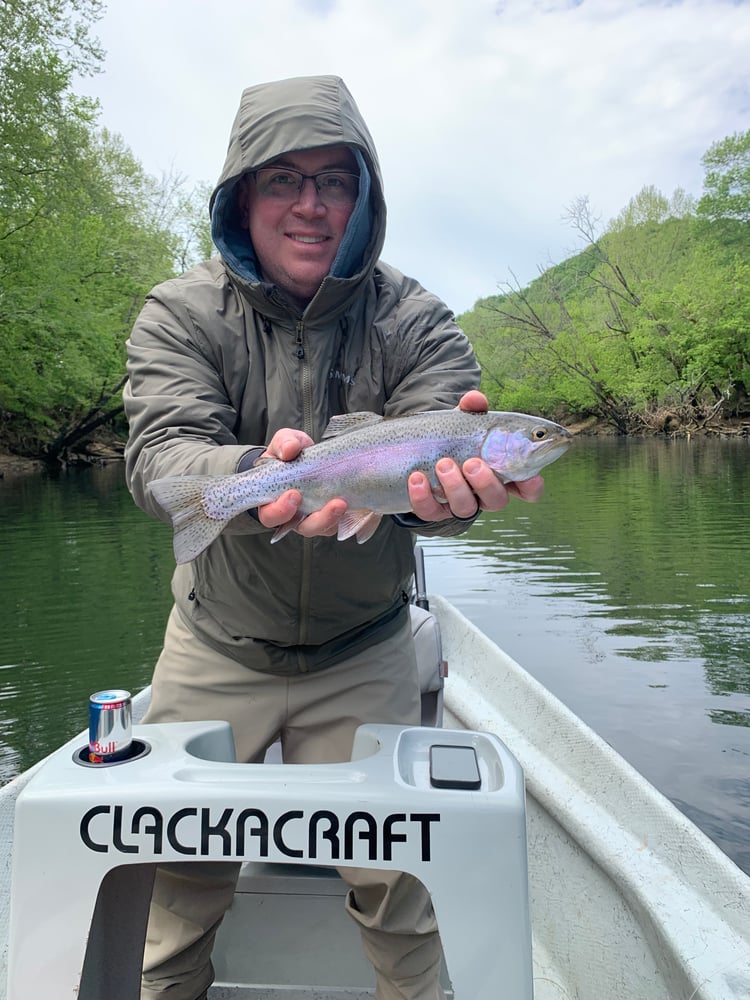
84	233
648	327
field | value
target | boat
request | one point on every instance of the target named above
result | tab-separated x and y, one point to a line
626	898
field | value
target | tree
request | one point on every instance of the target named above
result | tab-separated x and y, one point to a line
651	206
726	202
726	184
42	44
84	233
184	215
649	323
594	331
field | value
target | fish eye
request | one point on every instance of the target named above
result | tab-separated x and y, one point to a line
539	433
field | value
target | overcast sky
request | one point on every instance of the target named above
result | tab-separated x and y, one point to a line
490	118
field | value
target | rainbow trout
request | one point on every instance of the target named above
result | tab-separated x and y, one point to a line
366	460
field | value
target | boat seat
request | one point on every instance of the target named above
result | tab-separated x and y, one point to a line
183	797
430	663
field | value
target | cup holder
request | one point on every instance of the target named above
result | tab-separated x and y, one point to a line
136	750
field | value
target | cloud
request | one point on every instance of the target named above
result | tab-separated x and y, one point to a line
490	118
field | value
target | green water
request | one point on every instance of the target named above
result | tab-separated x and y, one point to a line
84	592
626	591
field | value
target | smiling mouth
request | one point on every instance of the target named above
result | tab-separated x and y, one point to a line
308	239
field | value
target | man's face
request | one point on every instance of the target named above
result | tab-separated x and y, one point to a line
296	242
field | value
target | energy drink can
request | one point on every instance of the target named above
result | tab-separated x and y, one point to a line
110	726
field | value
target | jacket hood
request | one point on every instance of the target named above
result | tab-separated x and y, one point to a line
300	113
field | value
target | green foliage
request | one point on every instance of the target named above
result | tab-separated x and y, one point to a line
649	324
727	180
651	206
84	231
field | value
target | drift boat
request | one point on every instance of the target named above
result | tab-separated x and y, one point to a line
625	897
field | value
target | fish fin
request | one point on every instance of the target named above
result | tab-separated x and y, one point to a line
345	423
182	498
362	523
369	528
290	525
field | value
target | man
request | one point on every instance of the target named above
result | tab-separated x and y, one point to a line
250	354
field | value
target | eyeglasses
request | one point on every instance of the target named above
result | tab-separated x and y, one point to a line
335	187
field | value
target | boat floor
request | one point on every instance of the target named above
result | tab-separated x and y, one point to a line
308	903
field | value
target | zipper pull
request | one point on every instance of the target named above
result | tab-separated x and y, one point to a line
300	344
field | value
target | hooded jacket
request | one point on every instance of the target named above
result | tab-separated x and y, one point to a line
220	359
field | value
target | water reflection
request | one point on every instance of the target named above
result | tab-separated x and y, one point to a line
652	536
624	592
85	590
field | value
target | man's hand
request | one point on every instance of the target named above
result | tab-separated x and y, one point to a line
285	445
470	488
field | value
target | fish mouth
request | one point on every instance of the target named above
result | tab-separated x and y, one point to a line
549	451
555	448
545	453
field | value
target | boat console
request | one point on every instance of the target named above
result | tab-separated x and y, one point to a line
444	805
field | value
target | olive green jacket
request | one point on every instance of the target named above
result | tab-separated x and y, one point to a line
219	360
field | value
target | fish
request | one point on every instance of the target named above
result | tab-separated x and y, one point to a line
365	459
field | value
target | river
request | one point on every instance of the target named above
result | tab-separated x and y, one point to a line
626	591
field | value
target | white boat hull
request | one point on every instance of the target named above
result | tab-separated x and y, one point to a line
628	899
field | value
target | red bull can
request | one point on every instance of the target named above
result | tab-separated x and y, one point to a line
110	726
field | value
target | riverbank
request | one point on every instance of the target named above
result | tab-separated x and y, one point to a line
102	452
16	465
93	453
733	427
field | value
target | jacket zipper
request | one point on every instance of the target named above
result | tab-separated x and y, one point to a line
305	380
307	420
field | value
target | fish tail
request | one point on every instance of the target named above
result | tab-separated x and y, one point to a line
182	498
